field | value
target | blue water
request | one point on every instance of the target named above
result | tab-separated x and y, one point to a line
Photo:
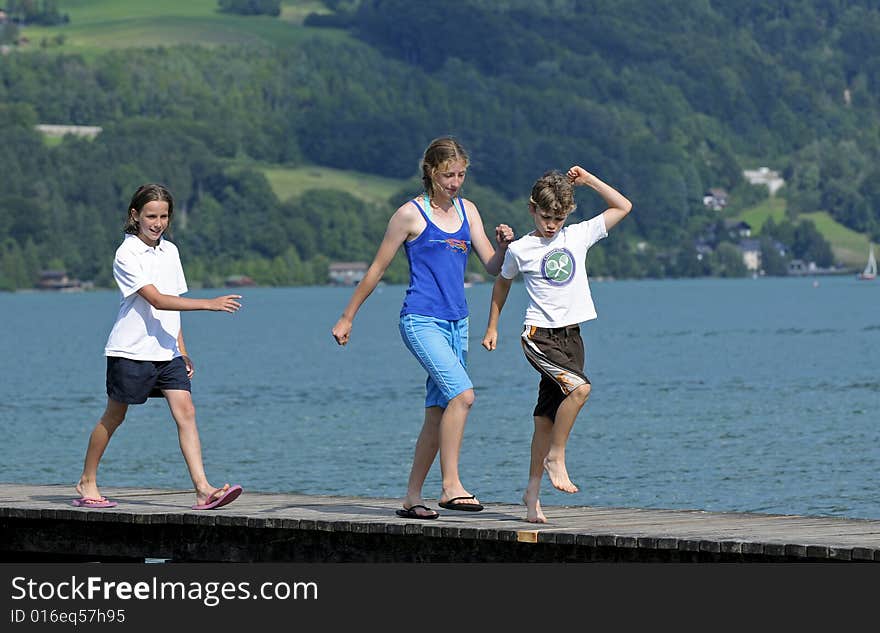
754	395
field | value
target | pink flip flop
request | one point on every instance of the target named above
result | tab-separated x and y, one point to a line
228	497
89	502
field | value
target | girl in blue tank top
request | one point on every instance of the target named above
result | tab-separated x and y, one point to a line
438	230
437	261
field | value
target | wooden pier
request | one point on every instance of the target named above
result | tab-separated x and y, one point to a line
38	523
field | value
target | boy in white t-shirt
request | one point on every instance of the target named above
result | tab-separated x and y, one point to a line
552	260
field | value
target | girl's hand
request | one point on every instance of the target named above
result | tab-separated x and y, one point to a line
226	303
342	331
190	368
503	235
490	339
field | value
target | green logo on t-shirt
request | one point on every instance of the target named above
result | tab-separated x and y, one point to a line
557	266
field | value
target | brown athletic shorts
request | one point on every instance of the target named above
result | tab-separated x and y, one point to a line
558	353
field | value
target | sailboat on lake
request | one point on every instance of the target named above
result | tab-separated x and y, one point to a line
870	271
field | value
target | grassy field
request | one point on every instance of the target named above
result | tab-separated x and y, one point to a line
849	247
296	12
100	25
290	182
757	215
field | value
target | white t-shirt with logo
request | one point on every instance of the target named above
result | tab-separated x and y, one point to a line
142	332
554	273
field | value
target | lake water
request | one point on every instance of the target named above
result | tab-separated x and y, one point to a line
753	395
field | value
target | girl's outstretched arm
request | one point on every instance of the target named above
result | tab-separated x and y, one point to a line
224	303
618	204
400	226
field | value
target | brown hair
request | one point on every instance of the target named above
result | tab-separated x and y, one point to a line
439	153
144	194
553	193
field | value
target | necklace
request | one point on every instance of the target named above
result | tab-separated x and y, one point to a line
445	209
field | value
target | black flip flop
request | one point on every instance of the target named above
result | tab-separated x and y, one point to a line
466	507
410	512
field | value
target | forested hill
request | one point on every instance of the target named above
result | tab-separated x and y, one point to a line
663	99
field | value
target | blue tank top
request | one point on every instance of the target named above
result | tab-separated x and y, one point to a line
437	261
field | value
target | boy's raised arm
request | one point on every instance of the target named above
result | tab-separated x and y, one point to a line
618	204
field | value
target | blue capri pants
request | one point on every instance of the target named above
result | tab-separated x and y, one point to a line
440	346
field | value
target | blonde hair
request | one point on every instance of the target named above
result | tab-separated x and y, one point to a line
553	193
440	153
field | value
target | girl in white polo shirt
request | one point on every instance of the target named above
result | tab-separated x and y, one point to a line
146	355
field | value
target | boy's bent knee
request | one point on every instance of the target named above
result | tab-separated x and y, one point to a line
581	394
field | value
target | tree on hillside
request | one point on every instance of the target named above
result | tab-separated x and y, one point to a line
773	263
727	261
9	33
251	7
44	12
802	239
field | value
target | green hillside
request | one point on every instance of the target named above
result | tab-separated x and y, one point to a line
758	214
850	247
285	138
100	25
290	182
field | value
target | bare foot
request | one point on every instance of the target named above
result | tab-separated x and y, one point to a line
533	508
209	494
559	476
88	490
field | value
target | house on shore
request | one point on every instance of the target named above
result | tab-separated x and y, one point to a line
58	280
347	273
751	254
239	281
738	229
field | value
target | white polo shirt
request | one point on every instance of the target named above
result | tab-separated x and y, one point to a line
142	332
555	275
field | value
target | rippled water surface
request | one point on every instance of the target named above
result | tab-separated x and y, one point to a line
725	395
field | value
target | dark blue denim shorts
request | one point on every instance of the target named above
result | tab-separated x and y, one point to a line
133	381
